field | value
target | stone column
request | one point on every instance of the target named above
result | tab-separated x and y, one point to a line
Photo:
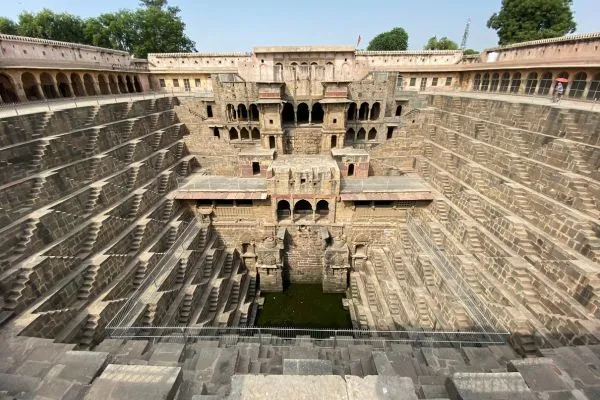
586	90
96	84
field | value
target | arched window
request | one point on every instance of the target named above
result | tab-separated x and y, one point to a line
329	71
77	85
233	134
88	82
253	112
545	84
244	134
242	112
8	94
62	83
485	82
278	69
372	134
302	113
363	113
322	208
476	82
594	92
531	83
103	84
136	84
287	114
375	111
350	170
317	113
504	82
283	210
349	139
255	134
515	85
351	112
578	85
48	86
361	134
122	85
399	110
302	207
495	82
112	82
231	113
129	81
293	71
31	86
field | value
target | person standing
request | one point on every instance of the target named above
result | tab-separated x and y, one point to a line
559	92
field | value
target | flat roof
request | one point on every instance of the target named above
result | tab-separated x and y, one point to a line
384	184
349	151
304	49
229	184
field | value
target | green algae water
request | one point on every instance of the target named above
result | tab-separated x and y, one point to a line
304	306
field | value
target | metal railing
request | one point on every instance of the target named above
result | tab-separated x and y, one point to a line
286	336
480	313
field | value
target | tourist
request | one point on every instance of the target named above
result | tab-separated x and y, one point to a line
558	92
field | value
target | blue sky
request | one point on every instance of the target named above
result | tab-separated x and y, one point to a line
233	25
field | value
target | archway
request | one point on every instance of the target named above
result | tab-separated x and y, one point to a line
360	250
372	134
545	84
515	85
322	209
361	134
594	91
485	82
253	112
578	85
333	141
495	82
31	87
88	82
329	71
398	111
283	210
363	113
303	207
233	134
244	134
122	86
231	113
531	83
476	82
62	82
112	82
564	75
136	84
351	112
8	94
48	86
287	114
103	84
349	139
375	111
77	85
302	113
278	72
317	113
504	82
129	81
271	142
255	134
242	112
351	170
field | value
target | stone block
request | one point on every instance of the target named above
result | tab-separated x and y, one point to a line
382	363
540	374
167	354
136	382
81	366
380	387
307	367
488	386
288	387
17	384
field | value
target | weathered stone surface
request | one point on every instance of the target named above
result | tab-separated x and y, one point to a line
541	374
493	386
127	382
259	387
307	367
380	387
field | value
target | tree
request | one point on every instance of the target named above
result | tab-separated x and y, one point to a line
470	52
7	26
443	44
48	25
396	39
523	20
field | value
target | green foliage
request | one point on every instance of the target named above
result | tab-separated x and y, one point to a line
396	39
8	26
443	44
155	27
523	20
470	52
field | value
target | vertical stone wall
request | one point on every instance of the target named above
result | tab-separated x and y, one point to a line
304	254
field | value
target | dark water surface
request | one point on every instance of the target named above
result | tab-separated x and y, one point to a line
304	306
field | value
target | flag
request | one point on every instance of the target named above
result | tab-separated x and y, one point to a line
359	39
